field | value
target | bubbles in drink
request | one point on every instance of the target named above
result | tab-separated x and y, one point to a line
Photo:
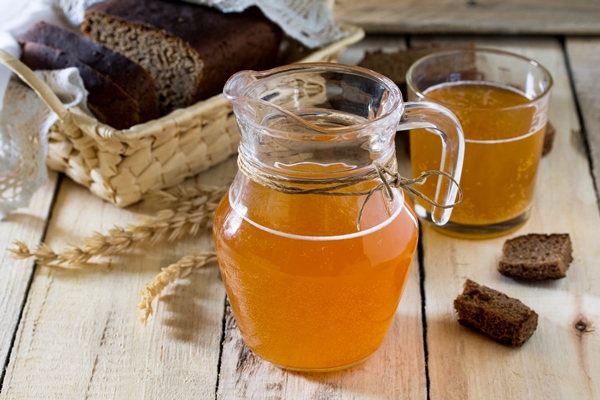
476	94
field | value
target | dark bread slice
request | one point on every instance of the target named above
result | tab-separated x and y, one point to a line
121	70
504	319
393	65
108	101
190	50
548	138
536	256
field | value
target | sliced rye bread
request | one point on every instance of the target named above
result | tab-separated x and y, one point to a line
107	100
536	256
189	50
504	319
122	71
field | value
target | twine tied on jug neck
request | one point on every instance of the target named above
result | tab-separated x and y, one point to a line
387	174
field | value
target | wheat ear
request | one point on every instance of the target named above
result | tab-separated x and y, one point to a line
44	255
190	214
180	269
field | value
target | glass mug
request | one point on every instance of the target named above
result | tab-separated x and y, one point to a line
313	265
501	100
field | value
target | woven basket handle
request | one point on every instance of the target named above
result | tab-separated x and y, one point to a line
34	81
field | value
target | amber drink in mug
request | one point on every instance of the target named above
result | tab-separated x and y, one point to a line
314	250
501	100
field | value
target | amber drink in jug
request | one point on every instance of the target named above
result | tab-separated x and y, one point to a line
314	247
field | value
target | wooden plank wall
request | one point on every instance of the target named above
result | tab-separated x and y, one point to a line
574	17
584	58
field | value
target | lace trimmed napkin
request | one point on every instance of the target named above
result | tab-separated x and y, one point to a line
24	118
311	22
24	124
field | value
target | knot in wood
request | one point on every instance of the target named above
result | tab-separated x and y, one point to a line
581	326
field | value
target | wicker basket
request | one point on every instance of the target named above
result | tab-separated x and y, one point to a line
122	165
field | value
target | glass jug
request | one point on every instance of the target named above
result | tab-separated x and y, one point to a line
314	247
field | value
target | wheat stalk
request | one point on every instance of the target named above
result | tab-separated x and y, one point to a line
180	269
193	210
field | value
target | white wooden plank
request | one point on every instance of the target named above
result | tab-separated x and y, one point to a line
26	224
584	58
562	359
80	335
472	16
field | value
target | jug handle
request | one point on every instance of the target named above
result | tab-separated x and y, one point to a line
444	123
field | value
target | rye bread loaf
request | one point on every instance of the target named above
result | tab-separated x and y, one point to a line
122	71
504	319
107	100
536	256
190	50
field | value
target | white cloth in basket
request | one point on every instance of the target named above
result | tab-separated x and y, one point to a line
23	128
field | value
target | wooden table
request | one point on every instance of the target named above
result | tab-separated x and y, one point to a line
76	333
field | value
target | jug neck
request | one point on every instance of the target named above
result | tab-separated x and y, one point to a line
313	142
315	118
308	159
312	175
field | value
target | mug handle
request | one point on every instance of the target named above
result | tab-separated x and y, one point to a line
442	122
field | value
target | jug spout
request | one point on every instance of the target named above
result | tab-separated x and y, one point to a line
272	101
250	103
251	98
237	84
